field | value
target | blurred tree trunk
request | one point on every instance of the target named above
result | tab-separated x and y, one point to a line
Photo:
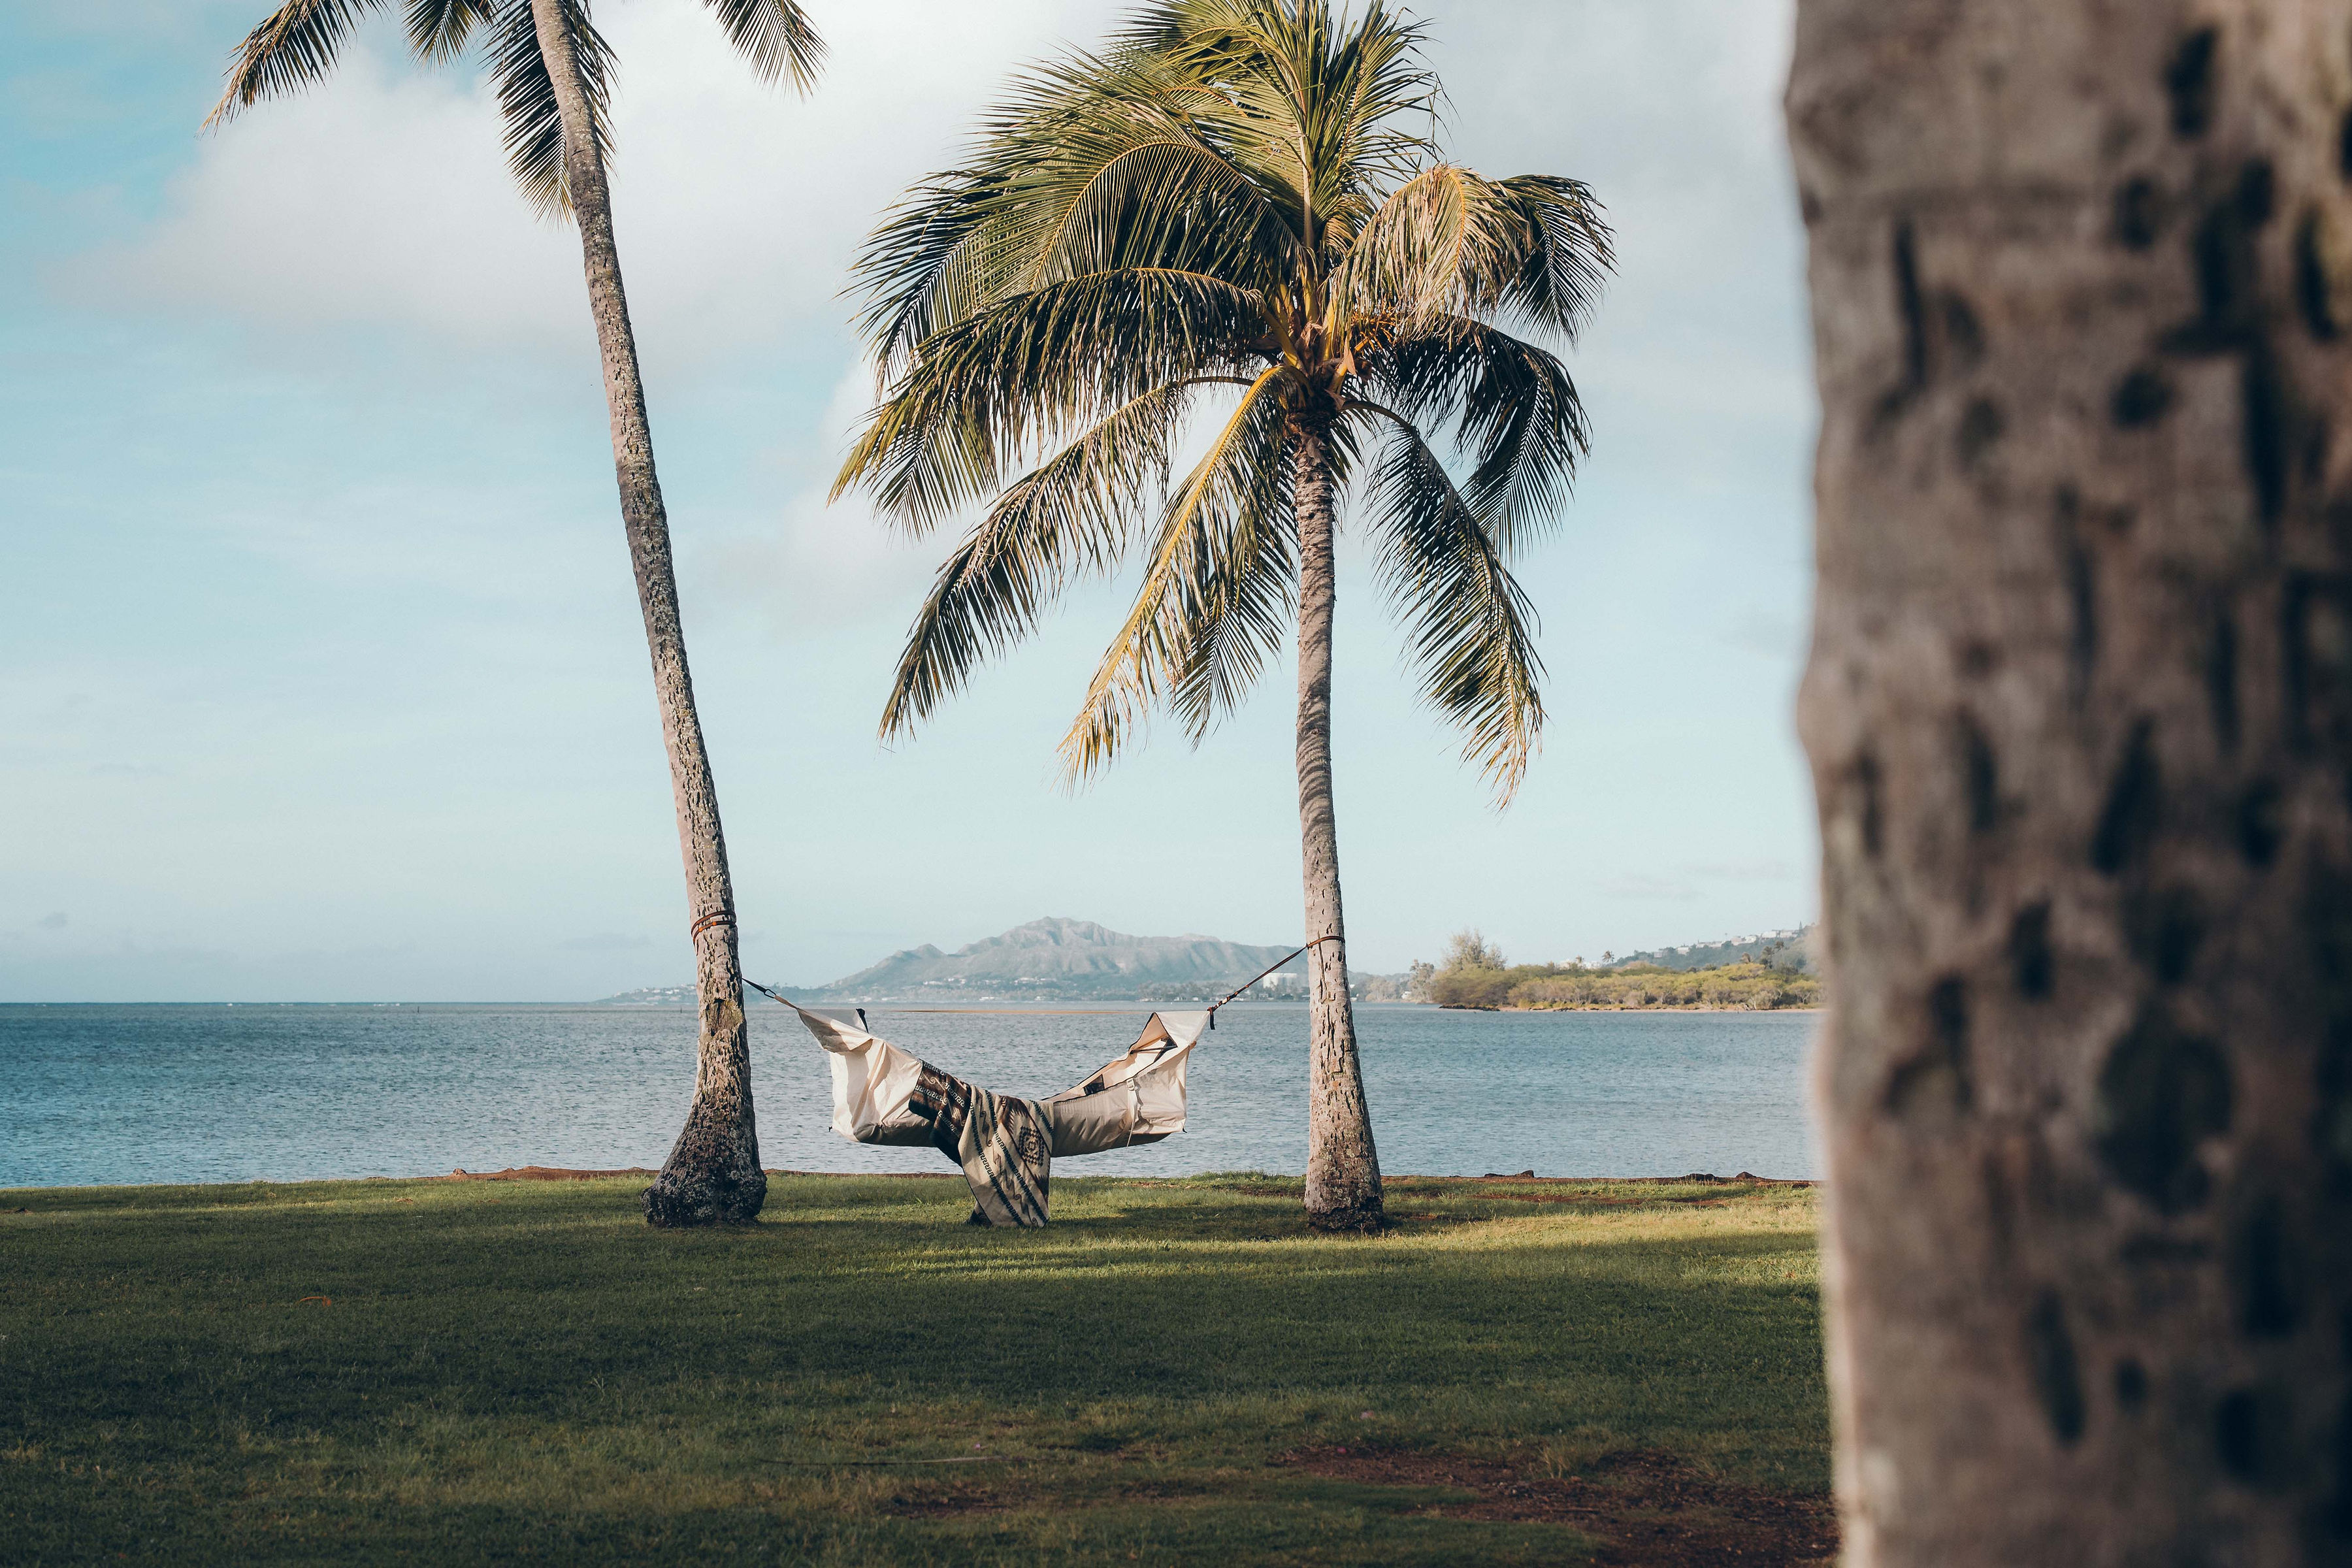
713	1172
2080	716
1343	1169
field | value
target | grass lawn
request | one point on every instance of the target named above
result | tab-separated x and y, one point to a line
1175	1372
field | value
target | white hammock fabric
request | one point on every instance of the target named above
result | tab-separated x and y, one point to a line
1005	1145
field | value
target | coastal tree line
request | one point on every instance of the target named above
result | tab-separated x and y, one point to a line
1475	975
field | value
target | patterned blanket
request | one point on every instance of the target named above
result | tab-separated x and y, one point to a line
1002	1142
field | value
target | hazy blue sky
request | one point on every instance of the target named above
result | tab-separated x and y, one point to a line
320	670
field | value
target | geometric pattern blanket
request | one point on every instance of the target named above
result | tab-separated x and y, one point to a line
1003	1145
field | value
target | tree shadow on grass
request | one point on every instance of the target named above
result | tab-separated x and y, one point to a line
548	1340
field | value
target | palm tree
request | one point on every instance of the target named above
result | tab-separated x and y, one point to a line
555	77
1232	201
2080	714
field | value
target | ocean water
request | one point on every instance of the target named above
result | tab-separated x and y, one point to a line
137	1094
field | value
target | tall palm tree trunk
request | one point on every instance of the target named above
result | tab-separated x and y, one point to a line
2080	715
713	1172
1343	1170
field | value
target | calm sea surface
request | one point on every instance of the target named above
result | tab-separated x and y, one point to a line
105	1094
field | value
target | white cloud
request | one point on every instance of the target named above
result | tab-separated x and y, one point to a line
381	196
813	563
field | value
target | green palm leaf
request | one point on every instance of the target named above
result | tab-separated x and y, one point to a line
775	36
1450	242
297	46
1151	655
534	134
1242	591
1514	409
438	29
1071	516
1025	374
1470	628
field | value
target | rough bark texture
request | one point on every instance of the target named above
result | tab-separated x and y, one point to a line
1343	1170
2080	716
713	1172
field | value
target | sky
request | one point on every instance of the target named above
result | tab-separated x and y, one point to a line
322	676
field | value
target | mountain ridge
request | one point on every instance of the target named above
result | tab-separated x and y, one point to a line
1056	953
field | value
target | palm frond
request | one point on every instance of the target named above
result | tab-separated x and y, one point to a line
1559	280
1074	514
296	46
1513	407
534	130
1451	242
776	36
1242	591
1313	104
1153	648
1026	371
1090	169
437	29
1470	627
1168	202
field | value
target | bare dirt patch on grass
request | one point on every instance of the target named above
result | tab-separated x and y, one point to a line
949	1502
961	1498
1649	1510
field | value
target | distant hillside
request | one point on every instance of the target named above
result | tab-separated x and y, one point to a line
1062	958
1790	950
651	996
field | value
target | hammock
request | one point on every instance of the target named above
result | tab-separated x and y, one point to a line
1007	1145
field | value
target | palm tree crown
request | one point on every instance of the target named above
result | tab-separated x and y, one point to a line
298	44
1232	195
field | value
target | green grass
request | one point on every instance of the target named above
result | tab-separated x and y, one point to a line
513	1372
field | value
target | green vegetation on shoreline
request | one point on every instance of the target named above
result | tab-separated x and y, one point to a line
1748	987
1475	975
1175	1372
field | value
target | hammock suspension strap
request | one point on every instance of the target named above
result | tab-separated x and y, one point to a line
1262	973
1228	996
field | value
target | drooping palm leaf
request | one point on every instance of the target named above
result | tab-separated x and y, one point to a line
775	36
438	29
1513	407
1470	628
1226	493
1450	242
297	46
534	130
1243	593
1025	374
1070	516
1078	180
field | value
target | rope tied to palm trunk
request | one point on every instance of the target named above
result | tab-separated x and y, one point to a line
1262	973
